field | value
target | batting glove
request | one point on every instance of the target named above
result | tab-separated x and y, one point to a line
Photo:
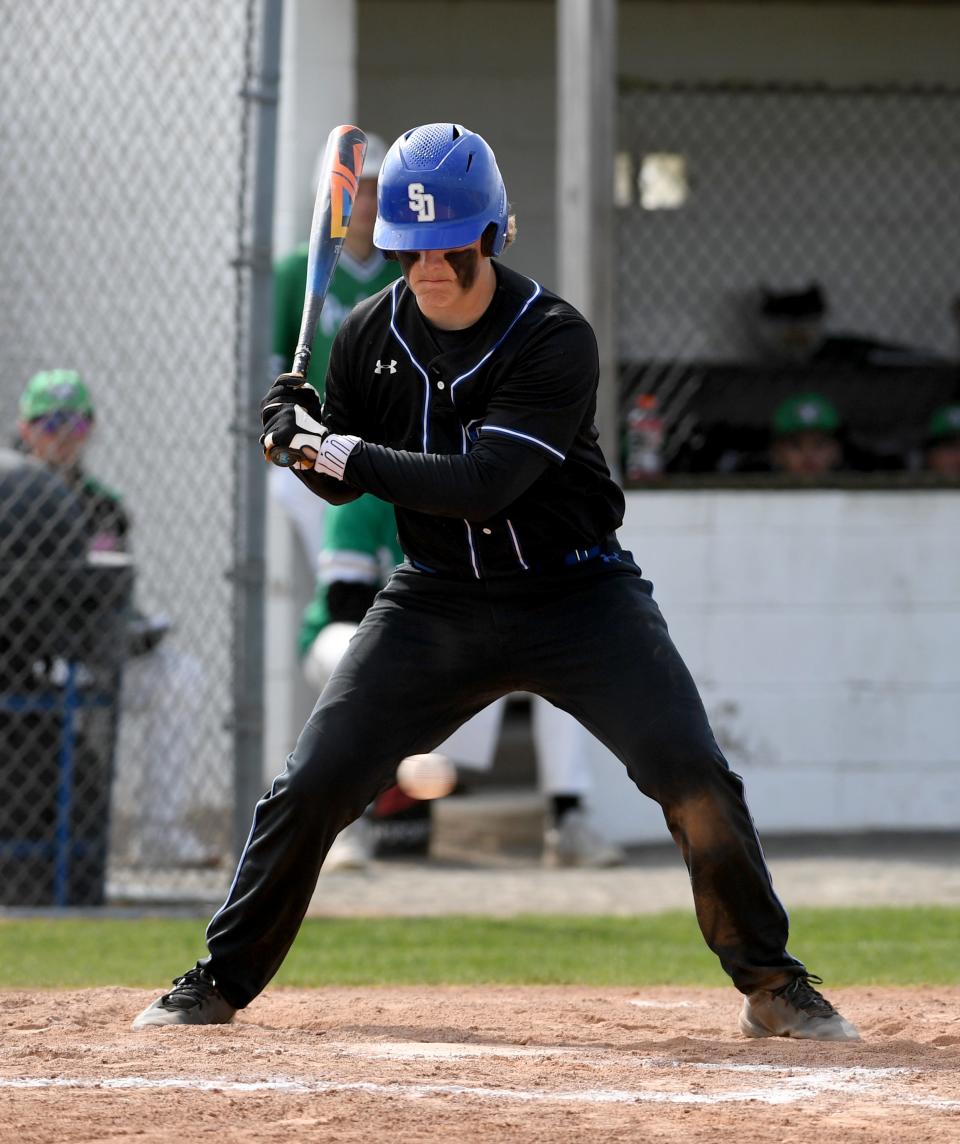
290	389
309	444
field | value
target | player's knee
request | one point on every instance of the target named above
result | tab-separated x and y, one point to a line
682	762
333	776
702	799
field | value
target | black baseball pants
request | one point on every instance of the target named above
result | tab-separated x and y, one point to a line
431	652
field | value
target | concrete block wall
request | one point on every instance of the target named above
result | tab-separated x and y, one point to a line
822	629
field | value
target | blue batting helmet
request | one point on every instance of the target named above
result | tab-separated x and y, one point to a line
439	188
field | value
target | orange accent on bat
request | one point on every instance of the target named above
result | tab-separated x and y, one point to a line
343	189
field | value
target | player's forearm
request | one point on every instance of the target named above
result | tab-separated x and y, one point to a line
328	488
474	486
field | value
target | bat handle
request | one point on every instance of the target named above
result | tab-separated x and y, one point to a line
286	458
301	360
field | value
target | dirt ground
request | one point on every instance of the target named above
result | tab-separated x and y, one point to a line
490	1064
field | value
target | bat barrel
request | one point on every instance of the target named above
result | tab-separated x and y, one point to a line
338	184
339	180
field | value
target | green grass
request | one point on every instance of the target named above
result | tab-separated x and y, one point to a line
847	947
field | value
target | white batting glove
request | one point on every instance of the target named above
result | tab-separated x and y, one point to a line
309	443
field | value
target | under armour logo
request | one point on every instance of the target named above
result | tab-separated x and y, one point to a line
390	367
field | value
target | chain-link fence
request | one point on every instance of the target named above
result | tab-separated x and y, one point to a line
128	135
774	241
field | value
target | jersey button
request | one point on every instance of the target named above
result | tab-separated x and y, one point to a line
488	532
440	385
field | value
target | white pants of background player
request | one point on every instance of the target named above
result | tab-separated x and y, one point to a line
561	744
563	748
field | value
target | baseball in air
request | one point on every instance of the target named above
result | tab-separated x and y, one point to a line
426	776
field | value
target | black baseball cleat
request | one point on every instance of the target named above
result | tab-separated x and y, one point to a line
794	1010
193	1000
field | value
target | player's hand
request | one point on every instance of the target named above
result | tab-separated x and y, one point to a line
291	436
290	389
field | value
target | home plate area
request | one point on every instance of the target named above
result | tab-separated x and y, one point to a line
498	1063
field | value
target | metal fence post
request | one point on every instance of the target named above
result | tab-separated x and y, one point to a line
261	96
586	97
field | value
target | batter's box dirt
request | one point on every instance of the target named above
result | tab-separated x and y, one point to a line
490	1064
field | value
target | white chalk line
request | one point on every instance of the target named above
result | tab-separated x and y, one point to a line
664	1004
794	1084
595	1096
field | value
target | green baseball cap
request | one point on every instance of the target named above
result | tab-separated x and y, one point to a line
805	412
55	391
944	423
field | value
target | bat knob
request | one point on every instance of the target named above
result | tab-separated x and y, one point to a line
283	458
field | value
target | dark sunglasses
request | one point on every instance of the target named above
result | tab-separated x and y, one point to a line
78	423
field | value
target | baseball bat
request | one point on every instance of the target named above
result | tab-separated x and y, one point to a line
337	189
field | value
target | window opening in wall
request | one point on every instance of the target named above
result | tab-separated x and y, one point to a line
663	181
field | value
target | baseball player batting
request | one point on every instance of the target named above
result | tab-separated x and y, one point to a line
464	394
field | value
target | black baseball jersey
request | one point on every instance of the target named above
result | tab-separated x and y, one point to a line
483	439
